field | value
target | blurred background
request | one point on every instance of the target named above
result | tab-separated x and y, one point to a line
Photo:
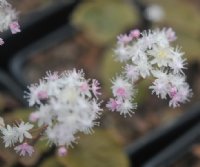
86	39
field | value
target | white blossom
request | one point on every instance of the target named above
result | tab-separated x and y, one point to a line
153	56
160	56
122	88
23	131
15	134
10	136
8	17
70	106
122	53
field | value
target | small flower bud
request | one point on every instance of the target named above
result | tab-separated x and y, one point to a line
62	151
135	33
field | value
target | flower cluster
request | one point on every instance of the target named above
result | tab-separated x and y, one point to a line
17	134
8	19
67	104
149	54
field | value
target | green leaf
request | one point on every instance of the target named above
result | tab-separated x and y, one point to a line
190	46
185	20
51	162
103	20
17	115
96	150
143	89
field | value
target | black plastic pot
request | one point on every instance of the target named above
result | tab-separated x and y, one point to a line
40	31
34	27
7	84
149	146
145	23
176	150
17	63
59	31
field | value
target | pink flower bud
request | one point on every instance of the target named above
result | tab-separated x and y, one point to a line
113	104
14	27
124	39
135	33
62	151
42	95
34	117
171	35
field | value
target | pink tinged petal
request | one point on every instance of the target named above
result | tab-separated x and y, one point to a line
113	104
131	73
24	149
121	92
1	41
62	151
174	102
124	39
34	117
23	153
42	95
84	87
52	77
135	33
95	87
171	35
173	92
14	27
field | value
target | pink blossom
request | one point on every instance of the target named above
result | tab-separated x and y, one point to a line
84	87
121	92
14	27
24	149
113	104
181	96
34	117
176	99
173	92
62	151
95	87
122	88
135	33
1	41
42	95
124	39
171	35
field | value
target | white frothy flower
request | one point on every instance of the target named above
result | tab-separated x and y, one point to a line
23	131
152	55
70	105
15	134
8	17
10	136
